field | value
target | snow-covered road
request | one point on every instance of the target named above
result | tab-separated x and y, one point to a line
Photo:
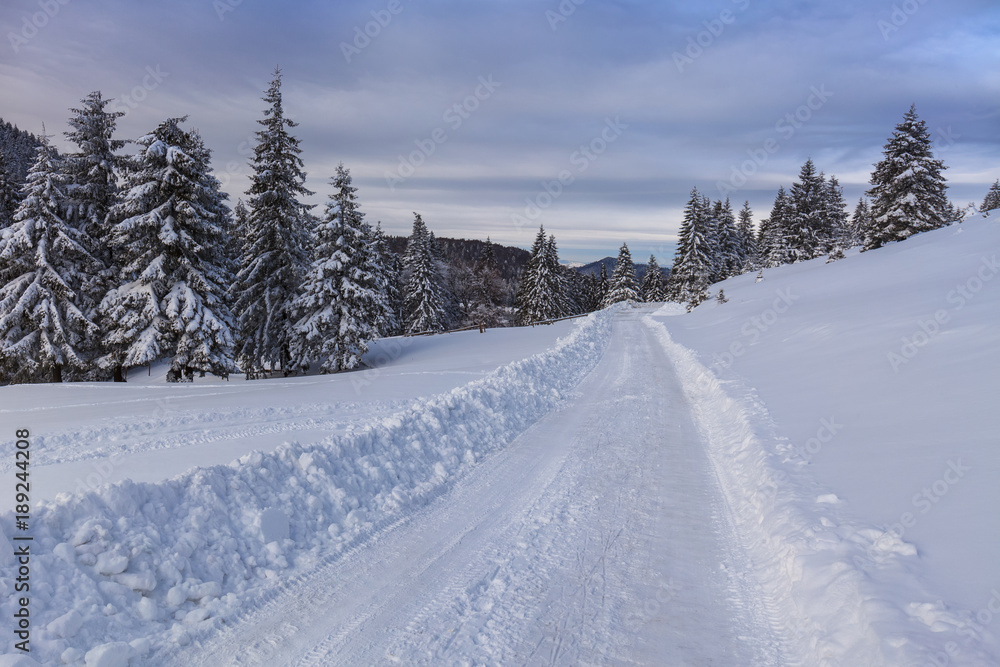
599	536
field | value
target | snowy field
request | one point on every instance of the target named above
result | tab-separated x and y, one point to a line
873	383
87	435
804	475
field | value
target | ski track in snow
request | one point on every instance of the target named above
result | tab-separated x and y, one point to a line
117	436
593	538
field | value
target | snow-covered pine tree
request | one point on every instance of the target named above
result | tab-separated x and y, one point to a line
602	285
538	296
338	308
46	270
276	246
779	250
861	223
992	199
170	236
389	269
711	214
92	190
652	283
908	190
557	273
747	239
691	272
729	250
837	231
805	229
92	171
487	303
424	303
622	287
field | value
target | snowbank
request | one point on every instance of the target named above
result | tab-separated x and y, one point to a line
121	575
838	592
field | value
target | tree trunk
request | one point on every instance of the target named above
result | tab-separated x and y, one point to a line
57	373
119	374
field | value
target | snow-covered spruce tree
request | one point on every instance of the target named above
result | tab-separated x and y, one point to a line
92	190
777	243
92	171
538	295
577	288
390	288
747	239
337	310
487	298
560	284
837	230
992	199
45	271
806	231
691	272
908	190
424	303
276	244
602	284
728	248
861	222
622	286
170	236
652	283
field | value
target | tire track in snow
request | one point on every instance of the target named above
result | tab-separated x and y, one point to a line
547	551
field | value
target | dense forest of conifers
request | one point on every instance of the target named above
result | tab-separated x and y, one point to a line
110	261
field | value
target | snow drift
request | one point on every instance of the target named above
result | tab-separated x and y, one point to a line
121	575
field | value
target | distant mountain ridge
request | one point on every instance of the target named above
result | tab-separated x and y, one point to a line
594	268
466	252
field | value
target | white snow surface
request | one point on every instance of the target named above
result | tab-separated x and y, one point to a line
804	475
853	427
171	561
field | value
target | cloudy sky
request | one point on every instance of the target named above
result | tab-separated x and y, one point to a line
592	117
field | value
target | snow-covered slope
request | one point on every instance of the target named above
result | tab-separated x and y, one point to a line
856	435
